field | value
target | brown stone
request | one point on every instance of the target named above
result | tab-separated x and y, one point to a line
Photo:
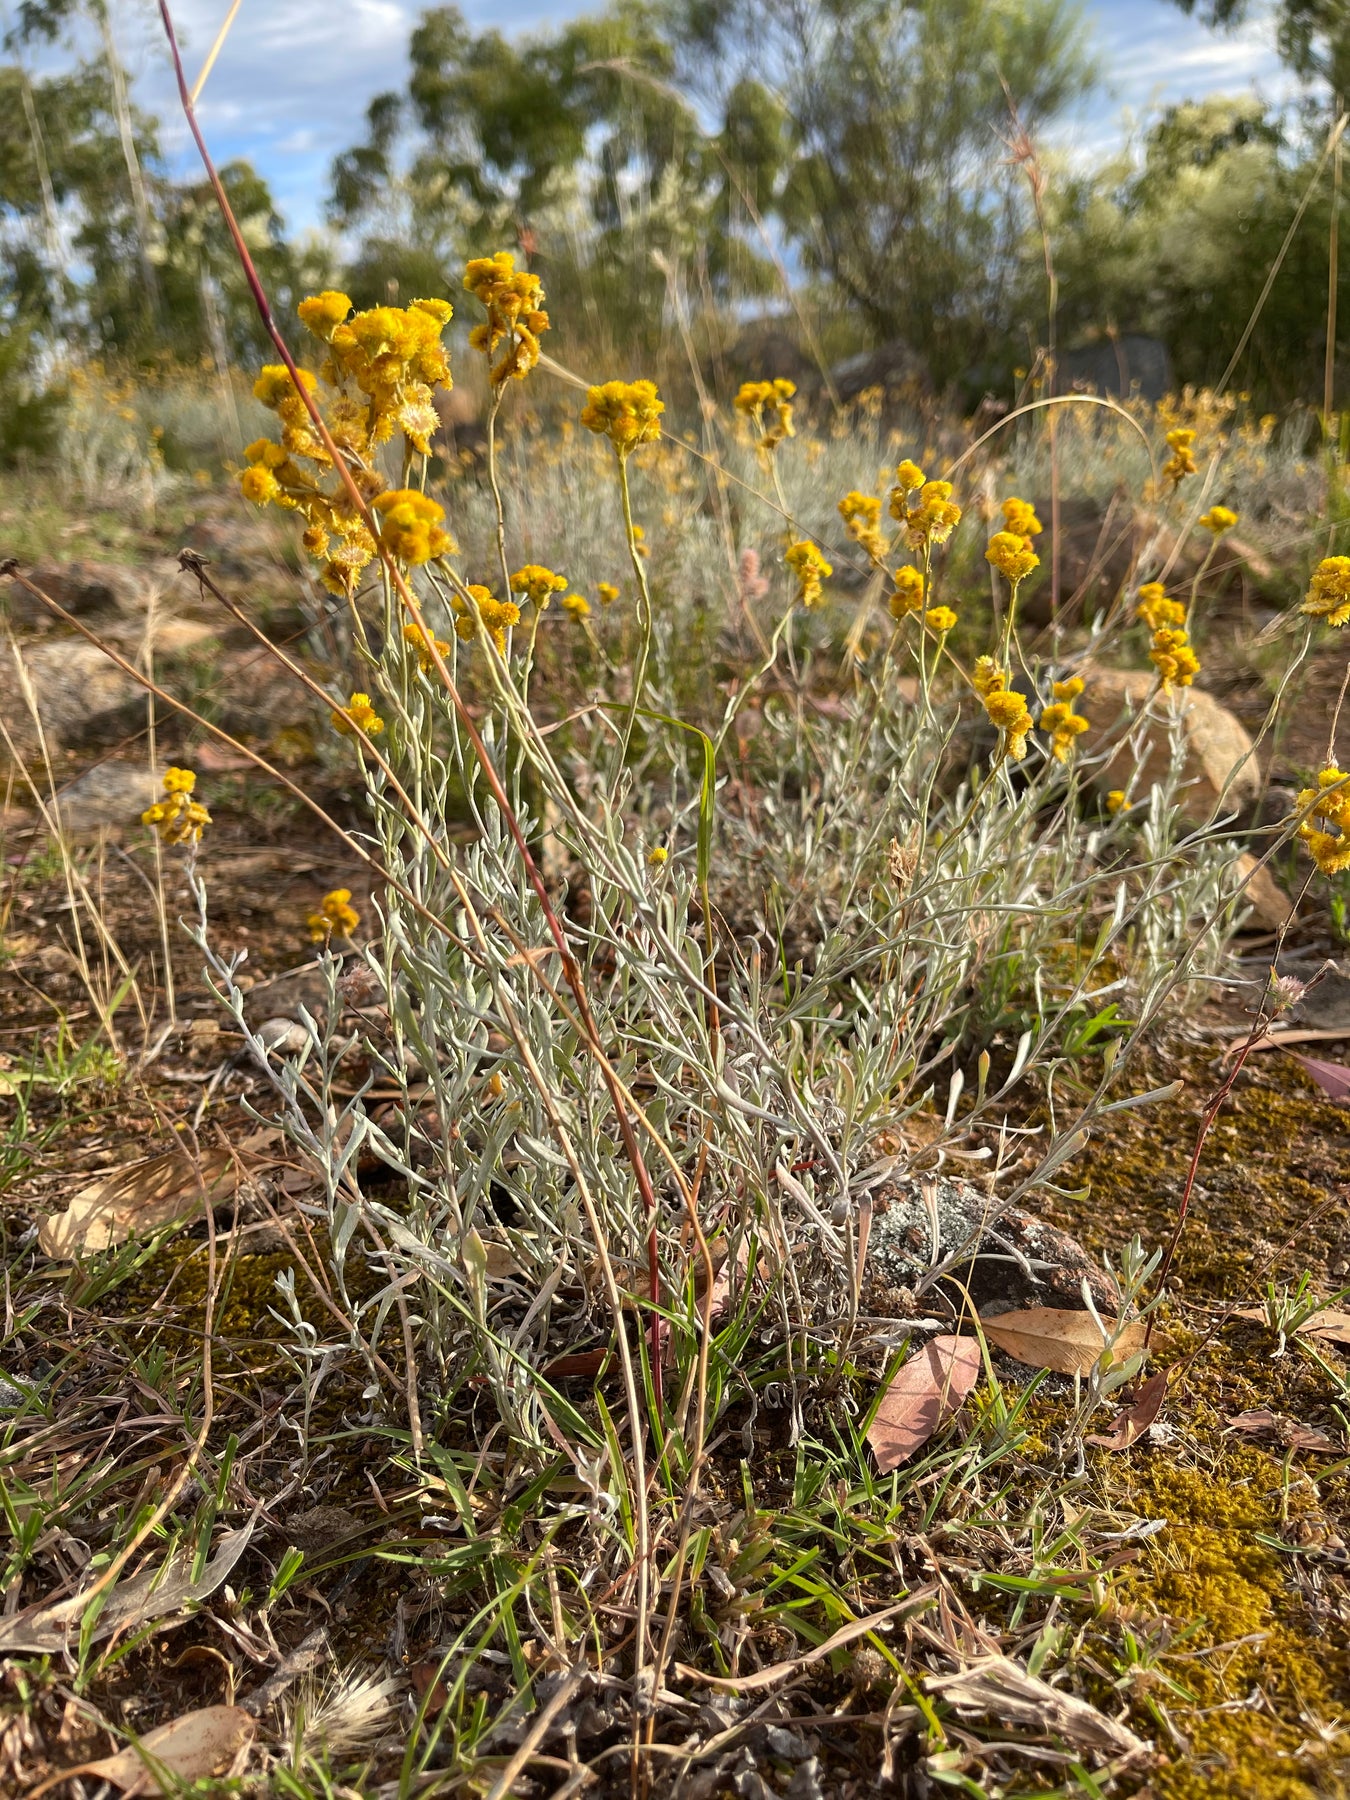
1216	741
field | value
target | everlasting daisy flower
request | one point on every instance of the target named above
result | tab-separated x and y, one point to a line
1173	657
628	413
497	616
608	593
1008	710
177	818
514	302
769	405
576	606
423	643
1019	517
1182	460
931	519
335	917
907	597
1012	556
1116	801
537	583
357	715
1328	598
1061	721
940	619
1218	520
862	515
1156	610
411	526
1326	830
811	569
909	477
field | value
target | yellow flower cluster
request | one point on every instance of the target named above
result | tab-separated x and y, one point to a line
907	597
383	366
514	302
608	593
423	643
1156	610
410	526
940	619
1061	721
1329	802
336	917
861	513
1019	517
497	616
628	413
768	404
1116	801
537	583
1173	657
357	715
811	569
177	817
1181	462
1328	598
1007	709
576	606
1218	520
932	517
1012	556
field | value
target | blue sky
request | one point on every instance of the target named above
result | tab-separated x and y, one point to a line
291	86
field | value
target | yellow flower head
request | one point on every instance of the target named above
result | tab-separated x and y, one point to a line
940	619
177	818
1060	720
1019	517
1116	801
357	715
336	917
1218	520
259	484
514	302
1174	658
988	678
657	856
537	583
497	616
423	644
769	405
608	593
628	413
932	518
909	477
410	525
1326	829
908	595
275	389
1156	610
323	313
576	606
862	515
1008	710
811	569
1328	598
1012	556
1182	460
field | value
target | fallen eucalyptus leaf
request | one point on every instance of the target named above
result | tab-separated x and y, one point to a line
141	1197
1332	1078
1053	1337
1260	1421
998	1688
155	1593
191	1748
924	1393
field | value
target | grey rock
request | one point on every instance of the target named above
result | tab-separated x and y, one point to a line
1009	1258
109	798
83	699
1127	364
88	590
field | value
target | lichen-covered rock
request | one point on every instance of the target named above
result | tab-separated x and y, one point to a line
1009	1258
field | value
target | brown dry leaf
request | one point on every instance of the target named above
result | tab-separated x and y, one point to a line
1053	1337
1001	1689
1328	1324
925	1392
1130	1424
141	1197
197	1745
1260	1421
157	1592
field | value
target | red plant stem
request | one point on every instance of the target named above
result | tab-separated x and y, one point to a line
571	967
1207	1119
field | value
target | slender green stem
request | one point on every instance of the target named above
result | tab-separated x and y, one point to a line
644	612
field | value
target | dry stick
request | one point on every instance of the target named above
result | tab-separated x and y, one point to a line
1333	275
571	967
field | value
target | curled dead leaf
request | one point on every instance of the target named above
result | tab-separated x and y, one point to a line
198	1745
998	1688
1053	1337
1130	1424
1260	1421
924	1392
